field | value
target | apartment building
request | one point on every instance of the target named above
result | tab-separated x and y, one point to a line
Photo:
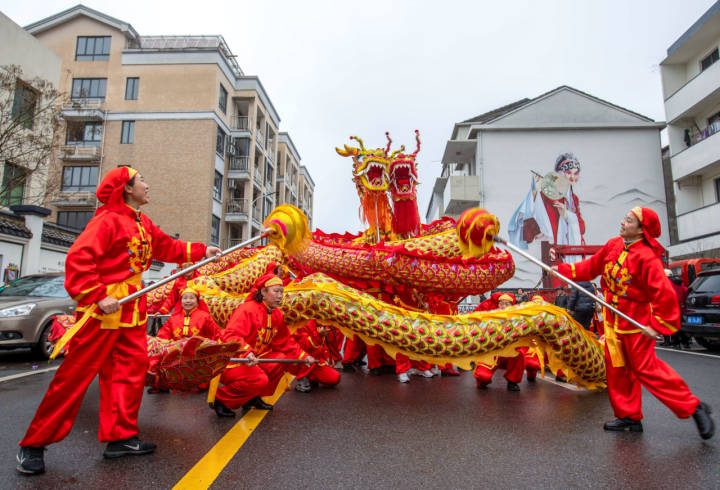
306	190
179	109
498	160
691	90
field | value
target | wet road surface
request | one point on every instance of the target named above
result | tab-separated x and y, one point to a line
372	432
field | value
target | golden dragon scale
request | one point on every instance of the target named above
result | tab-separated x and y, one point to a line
459	339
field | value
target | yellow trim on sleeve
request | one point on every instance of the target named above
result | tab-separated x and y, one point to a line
572	270
189	250
664	323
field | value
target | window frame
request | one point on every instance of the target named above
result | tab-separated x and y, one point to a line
713	56
217	187
127	138
84	142
222	99
79	96
215	230
135	88
717	189
23	110
17	193
67	213
220	143
102	55
91	186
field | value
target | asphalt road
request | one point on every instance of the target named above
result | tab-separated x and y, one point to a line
372	432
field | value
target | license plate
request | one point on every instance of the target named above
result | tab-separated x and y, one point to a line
694	319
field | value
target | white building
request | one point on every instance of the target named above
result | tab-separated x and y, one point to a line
691	89
490	159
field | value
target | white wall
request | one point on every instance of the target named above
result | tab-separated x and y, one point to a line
620	169
11	253
51	261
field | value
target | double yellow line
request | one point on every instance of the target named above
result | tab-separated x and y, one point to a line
204	473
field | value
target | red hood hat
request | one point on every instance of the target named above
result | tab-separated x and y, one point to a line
111	189
264	281
650	225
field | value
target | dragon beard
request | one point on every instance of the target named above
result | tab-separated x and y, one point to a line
375	211
406	217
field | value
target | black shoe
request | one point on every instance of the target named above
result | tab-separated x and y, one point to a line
620	425
303	385
705	424
221	410
376	371
257	403
512	386
30	460
131	446
348	368
482	386
154	391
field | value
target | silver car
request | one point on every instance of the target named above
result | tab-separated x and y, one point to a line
26	310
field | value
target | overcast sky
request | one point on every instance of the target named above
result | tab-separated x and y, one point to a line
335	68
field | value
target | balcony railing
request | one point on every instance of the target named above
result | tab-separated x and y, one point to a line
699	222
236	206
270	155
260	138
239	163
257	213
695	158
79	152
84	110
241	123
257	176
68	198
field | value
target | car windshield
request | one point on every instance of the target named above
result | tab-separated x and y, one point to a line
47	286
706	284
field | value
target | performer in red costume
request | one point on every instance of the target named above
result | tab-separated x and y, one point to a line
259	325
104	264
514	366
314	340
190	320
635	283
172	301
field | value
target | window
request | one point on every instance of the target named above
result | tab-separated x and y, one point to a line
215	231
79	179
76	220
91	48
84	133
709	60
128	132
222	101
89	88
717	189
220	143
23	108
217	186
13	185
242	147
131	88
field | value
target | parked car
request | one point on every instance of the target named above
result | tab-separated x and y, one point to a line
701	319
26	310
688	269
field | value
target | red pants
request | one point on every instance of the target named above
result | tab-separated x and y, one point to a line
514	368
378	358
324	374
354	350
532	363
120	357
403	364
643	368
241	383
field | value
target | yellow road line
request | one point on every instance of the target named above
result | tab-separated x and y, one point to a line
204	473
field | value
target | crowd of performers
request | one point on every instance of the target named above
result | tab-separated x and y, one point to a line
109	339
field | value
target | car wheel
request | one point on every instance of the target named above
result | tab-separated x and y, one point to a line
44	347
709	344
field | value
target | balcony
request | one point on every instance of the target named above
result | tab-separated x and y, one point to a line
703	90
70	199
84	110
241	124
231	242
80	153
257	177
239	167
259	138
698	223
236	210
257	214
270	154
461	193
695	158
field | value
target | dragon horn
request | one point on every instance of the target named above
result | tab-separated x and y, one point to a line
360	141
417	138
387	149
349	151
396	152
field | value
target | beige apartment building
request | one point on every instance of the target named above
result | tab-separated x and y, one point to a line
181	111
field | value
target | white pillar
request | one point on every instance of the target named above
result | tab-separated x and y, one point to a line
34	219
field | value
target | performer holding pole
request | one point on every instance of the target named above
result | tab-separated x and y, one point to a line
105	264
634	282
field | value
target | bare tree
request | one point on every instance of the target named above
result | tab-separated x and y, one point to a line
29	122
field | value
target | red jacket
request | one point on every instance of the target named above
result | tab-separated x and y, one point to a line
634	281
310	341
260	331
197	322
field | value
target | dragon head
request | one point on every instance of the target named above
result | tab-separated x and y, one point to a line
402	171
370	167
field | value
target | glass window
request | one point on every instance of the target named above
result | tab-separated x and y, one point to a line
222	102
707	61
84	133
215	231
717	189
217	186
49	286
89	88
242	147
220	143
79	179
76	220
128	132
92	48
23	108
131	88
13	185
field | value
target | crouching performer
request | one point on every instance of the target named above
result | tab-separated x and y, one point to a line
103	265
259	326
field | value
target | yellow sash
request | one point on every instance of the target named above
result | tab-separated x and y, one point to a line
110	321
